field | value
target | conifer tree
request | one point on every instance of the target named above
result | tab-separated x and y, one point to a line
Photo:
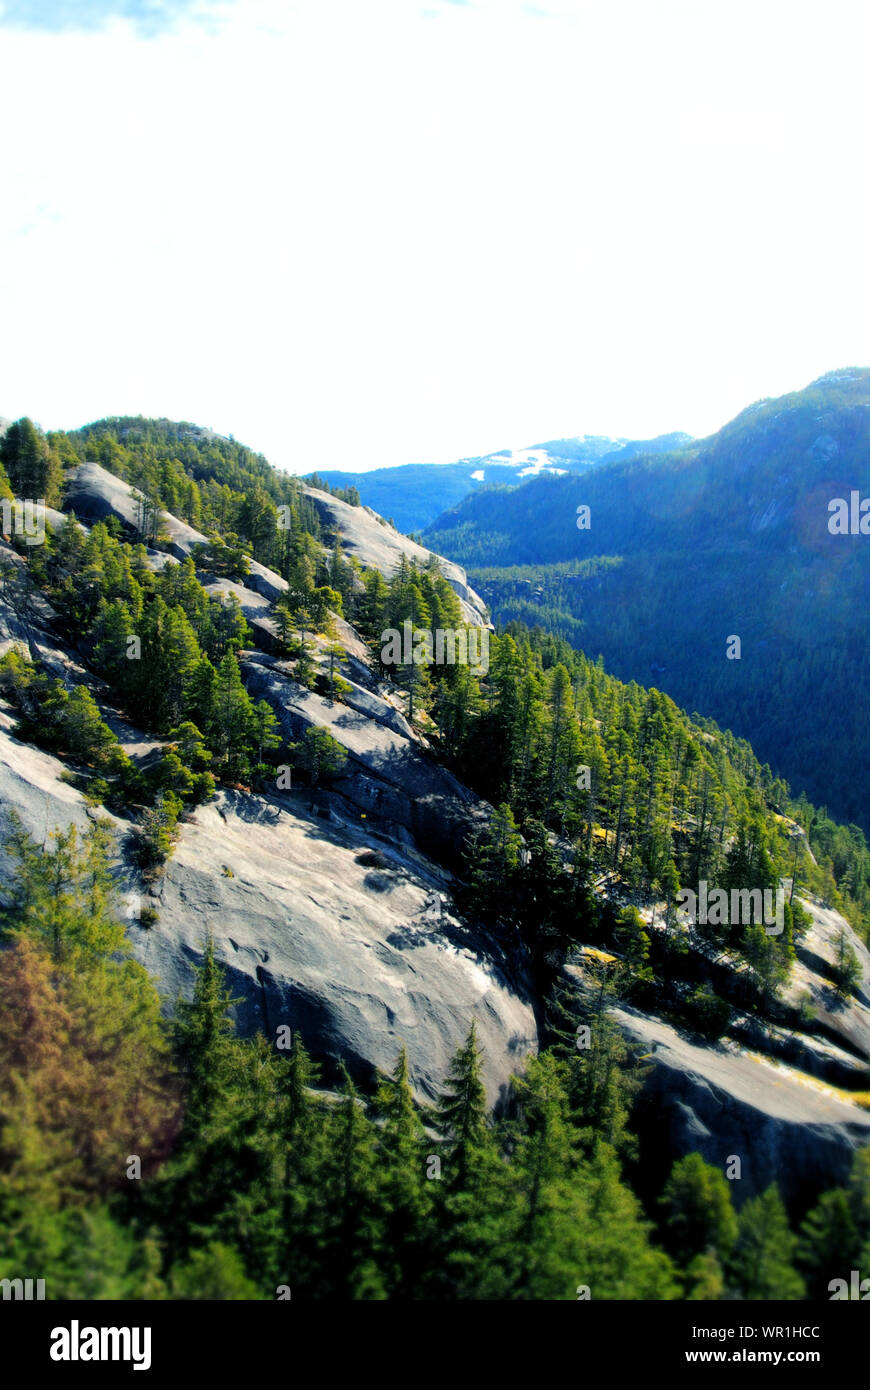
232	719
762	1261
265	731
302	1147
704	1279
352	1235
494	860
32	468
319	754
461	1116
63	895
215	1272
466	1196
403	1189
699	1216
203	1033
537	1228
830	1243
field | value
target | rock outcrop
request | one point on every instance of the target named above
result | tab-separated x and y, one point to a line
388	776
785	1101
378	546
723	1101
94	493
320	925
331	910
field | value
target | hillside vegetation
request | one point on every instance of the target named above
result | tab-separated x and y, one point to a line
725	537
571	810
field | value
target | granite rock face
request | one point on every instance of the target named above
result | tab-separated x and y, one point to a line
331	909
320	924
94	494
342	935
389	776
725	1103
378	546
788	1112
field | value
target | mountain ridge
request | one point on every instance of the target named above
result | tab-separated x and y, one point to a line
673	540
415	494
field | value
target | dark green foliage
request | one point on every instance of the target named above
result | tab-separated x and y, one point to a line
762	1261
222	560
461	1116
706	1013
320	756
157	832
319	1198
698	1213
30	464
203	1027
847	967
406	1212
830	1241
272	1186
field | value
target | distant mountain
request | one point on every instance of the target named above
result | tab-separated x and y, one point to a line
414	494
722	537
568	451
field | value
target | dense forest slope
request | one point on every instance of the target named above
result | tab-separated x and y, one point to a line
728	536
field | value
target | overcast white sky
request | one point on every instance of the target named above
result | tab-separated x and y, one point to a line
364	232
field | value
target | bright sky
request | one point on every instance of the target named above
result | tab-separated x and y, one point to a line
364	232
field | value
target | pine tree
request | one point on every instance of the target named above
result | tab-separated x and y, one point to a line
215	1272
699	1216
83	1076
63	895
403	1195
562	747
41	1083
494	860
319	754
457	704
617	1256
352	1237
539	1234
335	685
109	634
203	1033
30	465
303	1156
461	1114
265	731
231	723
847	967
83	733
600	1084
704	1278
295	1080
830	1243
762	1261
